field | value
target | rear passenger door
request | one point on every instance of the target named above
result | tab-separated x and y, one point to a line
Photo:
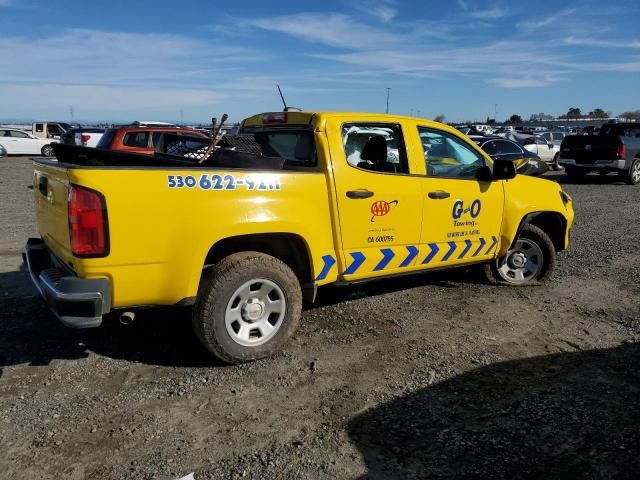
461	215
379	202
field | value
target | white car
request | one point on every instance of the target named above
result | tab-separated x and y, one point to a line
17	142
547	151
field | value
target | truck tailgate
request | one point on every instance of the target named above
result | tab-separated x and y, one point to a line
50	189
589	148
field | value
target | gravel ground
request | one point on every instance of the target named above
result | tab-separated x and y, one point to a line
434	376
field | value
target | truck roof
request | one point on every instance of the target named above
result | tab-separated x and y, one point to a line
317	120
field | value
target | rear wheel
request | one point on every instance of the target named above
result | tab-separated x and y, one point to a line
556	162
248	305
633	175
47	151
530	260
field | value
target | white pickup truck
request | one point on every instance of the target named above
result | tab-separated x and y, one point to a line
83	136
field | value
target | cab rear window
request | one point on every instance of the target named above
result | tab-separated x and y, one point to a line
296	147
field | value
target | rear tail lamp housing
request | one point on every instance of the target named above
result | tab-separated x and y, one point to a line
85	138
88	224
622	150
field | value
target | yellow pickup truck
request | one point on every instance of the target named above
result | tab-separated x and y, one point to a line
328	198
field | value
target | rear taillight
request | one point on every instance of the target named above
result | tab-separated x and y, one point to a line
88	225
85	138
622	150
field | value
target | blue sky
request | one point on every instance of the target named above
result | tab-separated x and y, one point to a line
120	61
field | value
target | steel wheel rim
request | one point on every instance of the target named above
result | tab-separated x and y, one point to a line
255	312
522	263
635	174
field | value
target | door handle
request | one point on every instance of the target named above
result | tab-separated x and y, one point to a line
359	194
439	194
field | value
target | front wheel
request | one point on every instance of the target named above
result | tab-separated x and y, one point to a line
633	176
556	162
530	260
47	151
248	305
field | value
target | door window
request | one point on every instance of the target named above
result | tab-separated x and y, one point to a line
17	134
375	147
447	156
490	148
505	147
136	139
39	127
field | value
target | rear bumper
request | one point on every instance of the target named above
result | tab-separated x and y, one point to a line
77	302
596	165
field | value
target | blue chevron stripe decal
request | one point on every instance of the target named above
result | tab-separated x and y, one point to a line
387	255
452	248
466	248
483	242
413	252
329	262
434	250
493	244
358	260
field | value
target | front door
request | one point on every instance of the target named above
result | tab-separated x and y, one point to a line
379	203
462	216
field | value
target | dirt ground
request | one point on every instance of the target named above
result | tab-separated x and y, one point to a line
434	376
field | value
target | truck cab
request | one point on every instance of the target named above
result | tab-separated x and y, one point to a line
52	130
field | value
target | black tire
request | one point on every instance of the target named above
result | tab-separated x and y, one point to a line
219	285
533	234
47	151
574	174
556	162
630	177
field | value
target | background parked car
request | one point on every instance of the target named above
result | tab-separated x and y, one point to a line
497	147
17	142
553	137
84	136
138	139
547	151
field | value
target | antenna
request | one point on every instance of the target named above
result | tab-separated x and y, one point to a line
282	97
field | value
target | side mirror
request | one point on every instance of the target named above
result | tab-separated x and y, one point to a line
484	174
503	170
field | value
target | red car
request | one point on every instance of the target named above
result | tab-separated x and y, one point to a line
140	139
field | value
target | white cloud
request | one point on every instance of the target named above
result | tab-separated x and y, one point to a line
489	14
383	10
524	82
333	29
594	42
116	58
463	5
97	97
545	21
5	3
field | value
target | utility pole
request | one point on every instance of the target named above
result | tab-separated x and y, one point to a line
495	112
181	116
388	90
71	112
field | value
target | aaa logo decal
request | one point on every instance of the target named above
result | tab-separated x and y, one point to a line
380	208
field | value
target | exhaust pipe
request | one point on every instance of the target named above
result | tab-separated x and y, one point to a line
127	318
